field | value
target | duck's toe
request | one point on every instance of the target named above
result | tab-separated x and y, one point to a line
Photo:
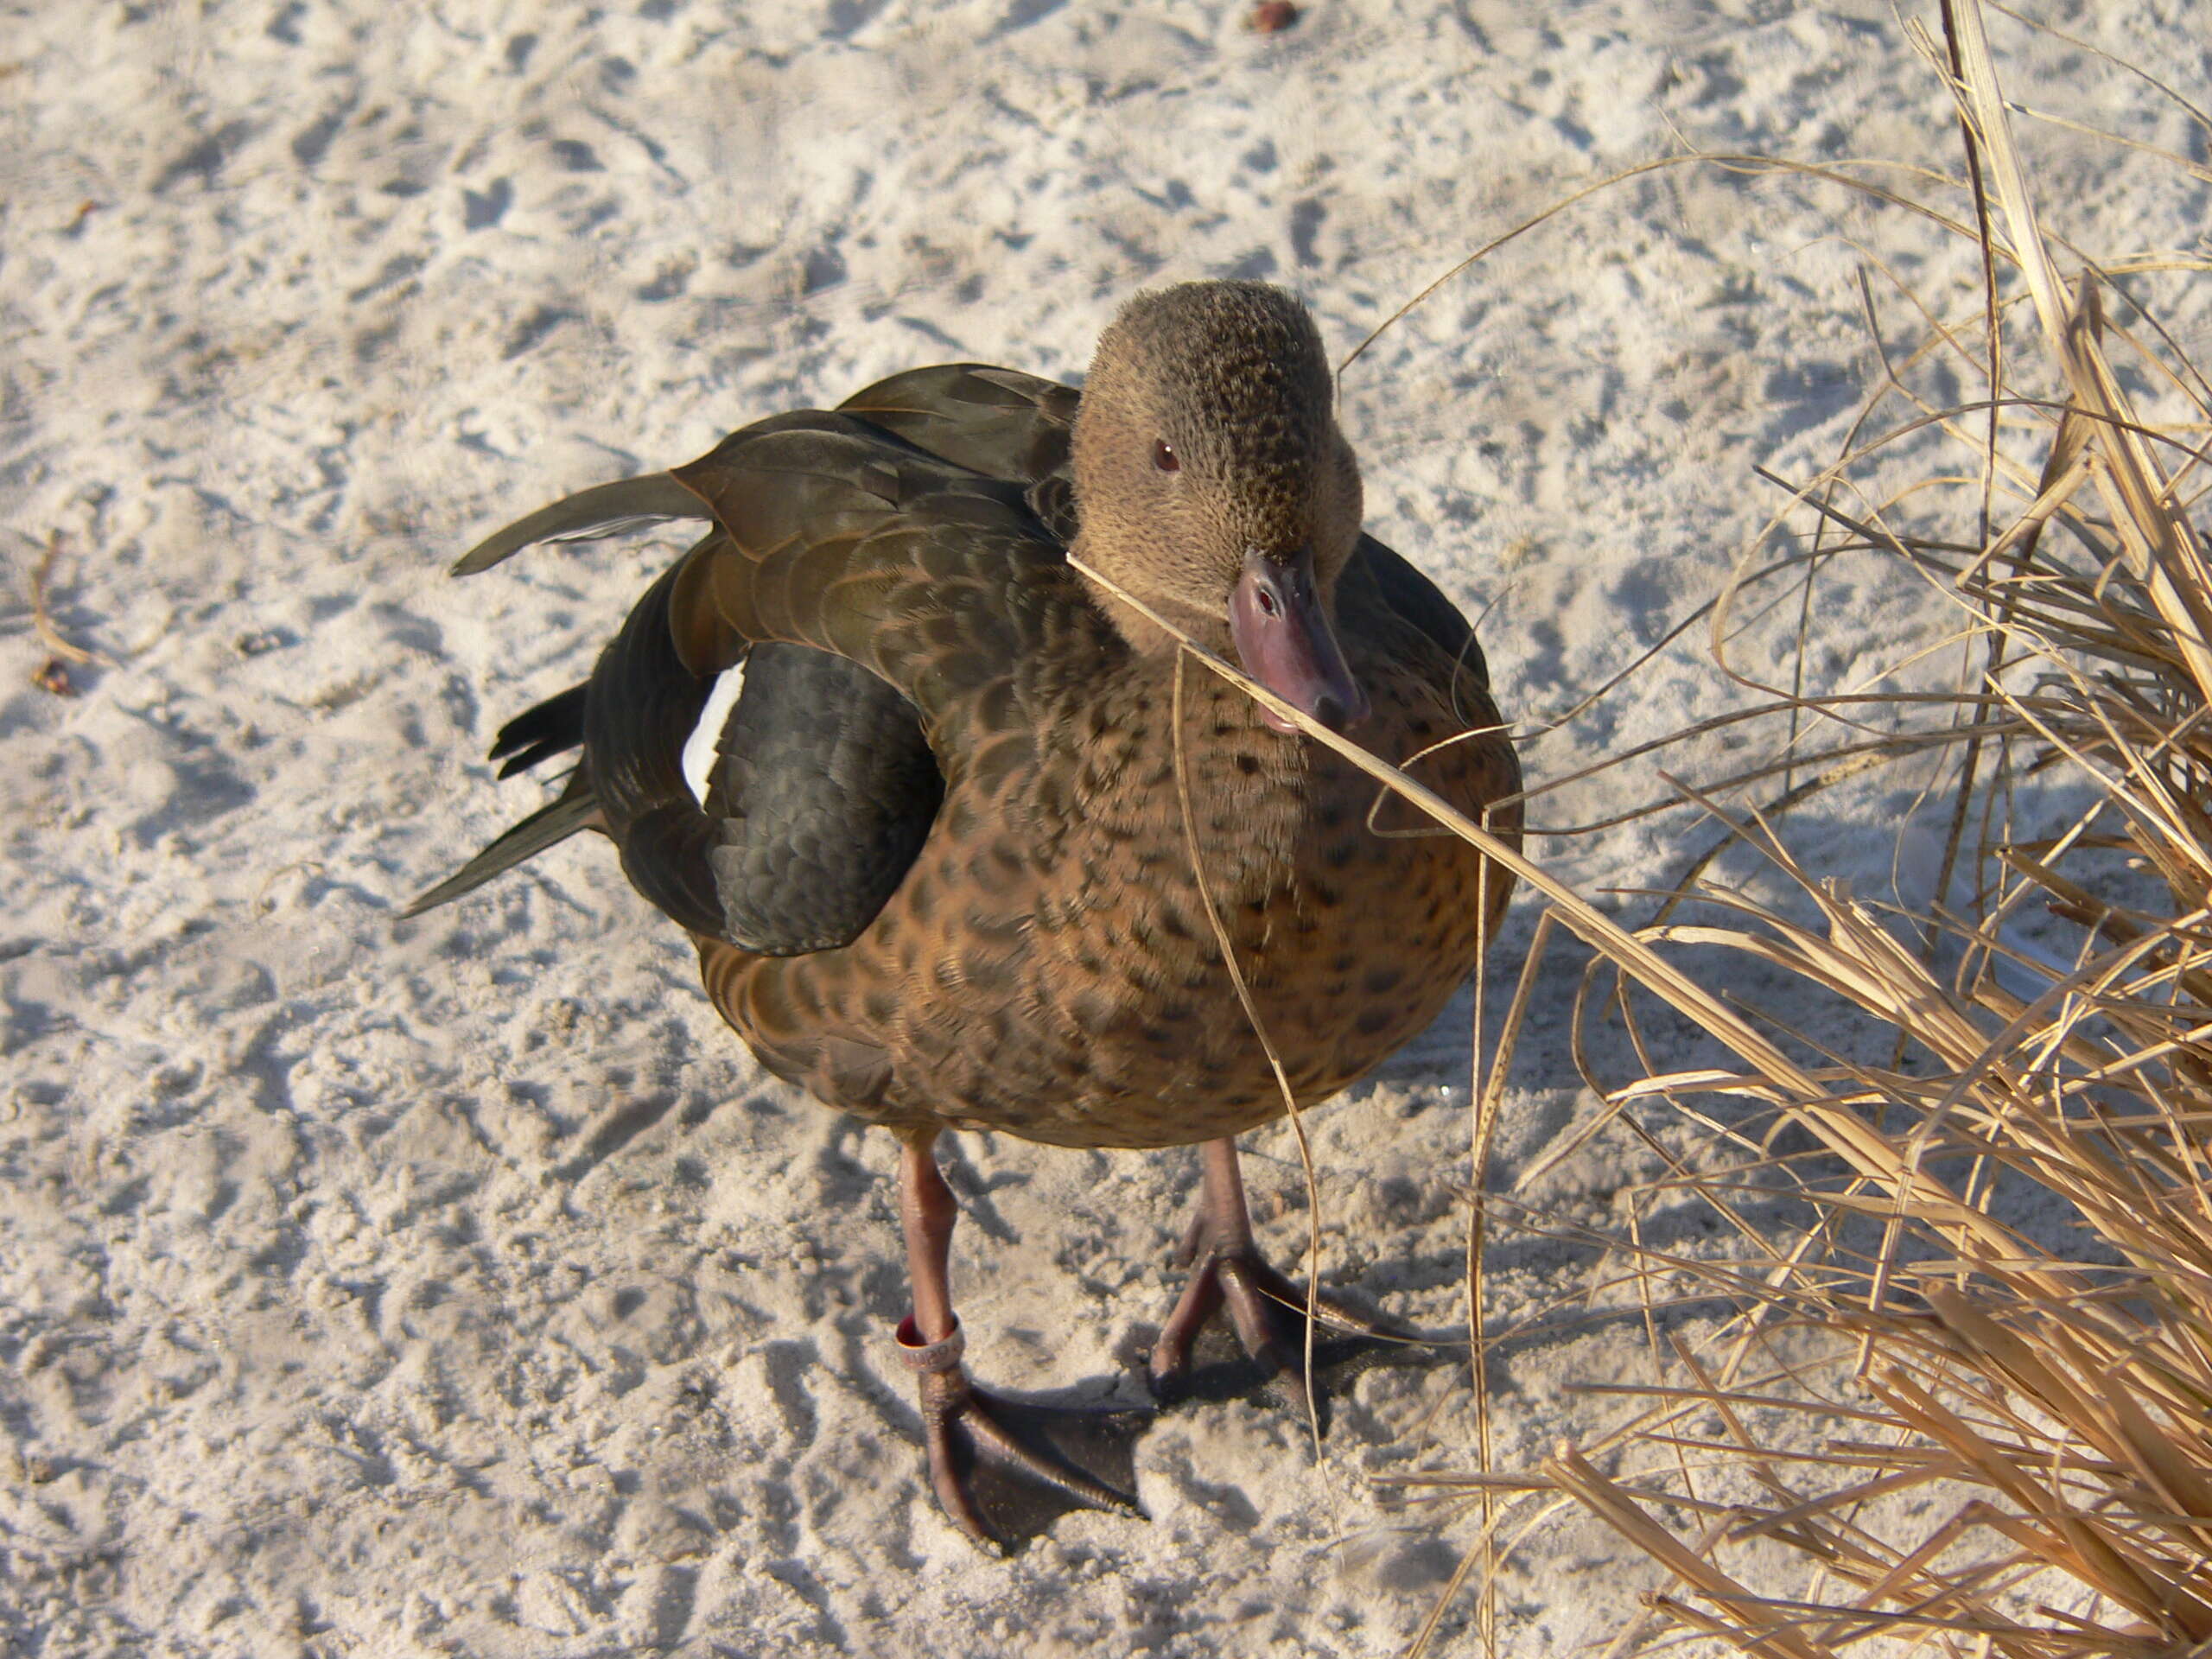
1262	1341
1004	1471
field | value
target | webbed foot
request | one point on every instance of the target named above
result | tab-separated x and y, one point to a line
1004	1471
1193	1358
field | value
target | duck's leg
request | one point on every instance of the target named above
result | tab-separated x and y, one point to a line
1003	1470
1267	1310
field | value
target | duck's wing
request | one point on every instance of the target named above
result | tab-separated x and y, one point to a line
998	423
612	509
1382	583
942	583
821	792
903	621
877	595
632	720
603	509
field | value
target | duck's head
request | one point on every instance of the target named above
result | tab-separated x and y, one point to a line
1213	484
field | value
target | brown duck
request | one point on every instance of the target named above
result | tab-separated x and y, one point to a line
942	876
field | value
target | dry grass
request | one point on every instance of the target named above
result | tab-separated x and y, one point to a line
1961	1396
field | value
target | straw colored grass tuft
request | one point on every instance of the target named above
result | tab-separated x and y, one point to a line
1963	1382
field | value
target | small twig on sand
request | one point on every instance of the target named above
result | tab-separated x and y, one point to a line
59	648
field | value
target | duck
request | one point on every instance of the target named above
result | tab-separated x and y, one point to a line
982	847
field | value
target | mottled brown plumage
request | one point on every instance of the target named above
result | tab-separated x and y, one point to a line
1046	966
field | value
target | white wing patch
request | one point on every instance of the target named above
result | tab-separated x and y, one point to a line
699	747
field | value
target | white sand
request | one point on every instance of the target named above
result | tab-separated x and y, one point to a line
461	1287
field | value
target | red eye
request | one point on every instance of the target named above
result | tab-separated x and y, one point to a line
1164	456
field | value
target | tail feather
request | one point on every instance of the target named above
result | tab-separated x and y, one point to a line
552	727
577	809
600	510
632	719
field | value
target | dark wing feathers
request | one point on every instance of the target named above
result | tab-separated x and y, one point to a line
821	792
994	423
553	727
1379	579
848	540
550	824
999	423
640	710
602	511
825	787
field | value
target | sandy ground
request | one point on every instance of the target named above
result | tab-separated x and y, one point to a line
459	1287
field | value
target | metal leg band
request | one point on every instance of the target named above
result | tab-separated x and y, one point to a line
930	1358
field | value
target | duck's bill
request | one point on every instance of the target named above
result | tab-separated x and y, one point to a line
1284	640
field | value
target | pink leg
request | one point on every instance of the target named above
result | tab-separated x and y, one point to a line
927	1213
1227	1269
963	1426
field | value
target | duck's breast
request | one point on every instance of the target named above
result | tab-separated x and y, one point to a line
1049	966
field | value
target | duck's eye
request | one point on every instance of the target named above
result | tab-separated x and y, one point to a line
1164	456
